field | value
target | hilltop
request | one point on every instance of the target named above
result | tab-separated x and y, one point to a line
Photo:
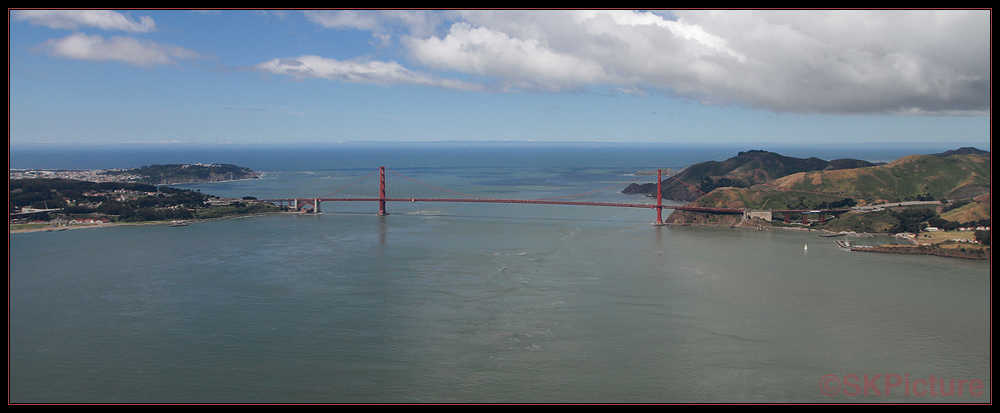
744	170
965	150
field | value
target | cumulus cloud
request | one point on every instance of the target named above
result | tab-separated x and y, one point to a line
74	19
918	61
523	63
835	61
569	50
357	71
117	49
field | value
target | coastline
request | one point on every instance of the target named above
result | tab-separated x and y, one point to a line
924	250
912	249
143	223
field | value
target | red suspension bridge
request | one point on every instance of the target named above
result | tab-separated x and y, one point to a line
373	188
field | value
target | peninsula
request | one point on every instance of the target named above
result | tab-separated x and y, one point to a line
153	174
938	201
46	199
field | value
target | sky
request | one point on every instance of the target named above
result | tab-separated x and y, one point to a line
232	77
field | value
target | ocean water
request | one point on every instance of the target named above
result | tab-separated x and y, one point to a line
480	303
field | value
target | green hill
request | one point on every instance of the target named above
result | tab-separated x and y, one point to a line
915	177
742	171
763	197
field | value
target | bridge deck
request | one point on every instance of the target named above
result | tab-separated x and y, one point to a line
382	199
514	201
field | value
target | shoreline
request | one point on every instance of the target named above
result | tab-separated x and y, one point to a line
143	223
896	249
884	249
921	250
259	176
767	228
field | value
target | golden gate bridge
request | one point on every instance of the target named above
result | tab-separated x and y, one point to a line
374	188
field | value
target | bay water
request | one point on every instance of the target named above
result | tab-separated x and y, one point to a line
482	303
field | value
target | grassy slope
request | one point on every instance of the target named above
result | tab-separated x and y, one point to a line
905	178
760	197
977	210
908	177
746	170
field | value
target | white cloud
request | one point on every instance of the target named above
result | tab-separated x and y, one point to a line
918	61
571	50
74	19
118	49
832	61
523	63
344	19
357	71
416	22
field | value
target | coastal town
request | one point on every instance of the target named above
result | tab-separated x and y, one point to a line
44	200
96	175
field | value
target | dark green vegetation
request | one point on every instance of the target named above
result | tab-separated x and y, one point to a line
173	174
897	220
741	171
983	237
238	208
118	201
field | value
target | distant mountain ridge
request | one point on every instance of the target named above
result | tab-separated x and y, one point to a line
744	170
965	150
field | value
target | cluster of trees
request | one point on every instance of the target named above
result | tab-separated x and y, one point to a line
956	204
150	214
843	203
803	203
238	208
706	184
983	237
913	220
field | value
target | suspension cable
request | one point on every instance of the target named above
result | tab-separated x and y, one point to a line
345	187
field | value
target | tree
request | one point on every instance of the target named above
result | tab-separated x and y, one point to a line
983	237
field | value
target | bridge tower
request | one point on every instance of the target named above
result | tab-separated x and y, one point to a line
659	198
381	191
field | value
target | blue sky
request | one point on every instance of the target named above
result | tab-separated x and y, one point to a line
183	77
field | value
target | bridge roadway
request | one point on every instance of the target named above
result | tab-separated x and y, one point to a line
382	199
550	202
301	201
